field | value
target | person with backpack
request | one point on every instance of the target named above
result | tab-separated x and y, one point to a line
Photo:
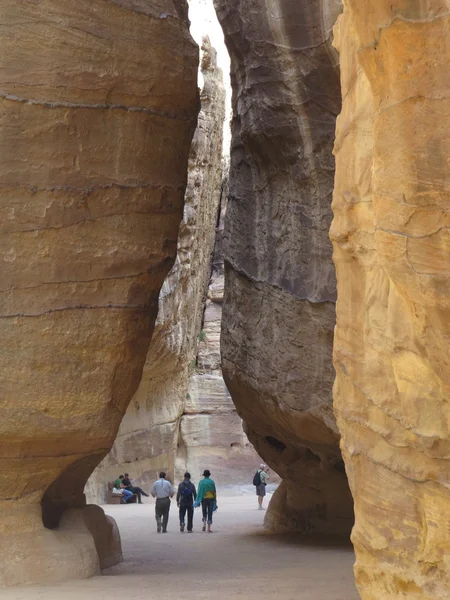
207	497
186	496
260	482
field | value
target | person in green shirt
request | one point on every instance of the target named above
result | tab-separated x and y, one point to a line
207	497
119	486
261	487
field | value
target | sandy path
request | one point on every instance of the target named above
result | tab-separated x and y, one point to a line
239	561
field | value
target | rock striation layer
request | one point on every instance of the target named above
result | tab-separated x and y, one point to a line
150	437
391	250
99	102
279	309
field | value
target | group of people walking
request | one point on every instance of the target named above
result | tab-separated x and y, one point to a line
187	498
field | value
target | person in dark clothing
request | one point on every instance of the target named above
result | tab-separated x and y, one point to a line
185	501
134	489
119	488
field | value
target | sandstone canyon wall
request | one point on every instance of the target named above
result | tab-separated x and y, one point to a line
211	431
169	425
391	250
279	309
99	101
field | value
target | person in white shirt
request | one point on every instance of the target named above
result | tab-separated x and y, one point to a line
163	491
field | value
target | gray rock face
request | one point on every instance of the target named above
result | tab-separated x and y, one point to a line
211	432
280	291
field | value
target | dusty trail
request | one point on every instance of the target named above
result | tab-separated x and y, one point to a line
239	561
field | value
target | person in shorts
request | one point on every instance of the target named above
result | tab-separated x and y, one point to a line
261	488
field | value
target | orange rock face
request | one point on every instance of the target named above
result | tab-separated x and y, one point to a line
98	108
391	250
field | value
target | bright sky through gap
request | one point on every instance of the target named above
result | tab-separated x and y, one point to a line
204	22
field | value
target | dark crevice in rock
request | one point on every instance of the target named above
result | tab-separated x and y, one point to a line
279	446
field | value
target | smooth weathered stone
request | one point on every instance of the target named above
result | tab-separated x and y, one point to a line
98	109
106	535
279	305
390	235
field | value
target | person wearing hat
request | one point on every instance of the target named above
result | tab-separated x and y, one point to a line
207	497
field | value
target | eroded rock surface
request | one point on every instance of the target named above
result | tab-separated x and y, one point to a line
149	438
99	101
279	309
211	431
391	250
